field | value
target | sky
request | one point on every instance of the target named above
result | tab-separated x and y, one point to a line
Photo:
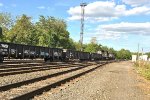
115	23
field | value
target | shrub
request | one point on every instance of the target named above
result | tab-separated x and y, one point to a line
143	67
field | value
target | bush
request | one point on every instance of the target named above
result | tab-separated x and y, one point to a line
143	67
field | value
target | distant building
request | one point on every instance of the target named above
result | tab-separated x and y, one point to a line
134	58
144	57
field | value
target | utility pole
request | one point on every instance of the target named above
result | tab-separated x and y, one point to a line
142	53
138	51
82	23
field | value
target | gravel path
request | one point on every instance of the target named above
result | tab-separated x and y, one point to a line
116	81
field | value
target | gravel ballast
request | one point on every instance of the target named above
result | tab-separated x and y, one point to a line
5	80
116	81
21	90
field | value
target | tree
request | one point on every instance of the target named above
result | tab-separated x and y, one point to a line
105	48
93	46
111	50
44	30
1	32
23	31
77	46
148	53
124	54
52	32
71	44
6	23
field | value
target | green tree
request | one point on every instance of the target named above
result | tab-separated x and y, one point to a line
105	48
52	32
6	23
77	46
124	54
44	30
148	53
71	44
92	47
23	31
111	50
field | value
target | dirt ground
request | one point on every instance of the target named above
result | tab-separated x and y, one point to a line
115	81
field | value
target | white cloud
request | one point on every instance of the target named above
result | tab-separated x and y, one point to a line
136	2
138	10
105	11
1	4
98	10
41	7
126	28
120	30
102	35
106	36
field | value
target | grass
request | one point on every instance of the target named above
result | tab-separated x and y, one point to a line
143	67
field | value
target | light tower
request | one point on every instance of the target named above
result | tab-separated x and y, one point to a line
82	23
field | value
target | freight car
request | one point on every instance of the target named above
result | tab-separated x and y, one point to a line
1	57
105	55
20	51
111	56
96	56
69	55
75	55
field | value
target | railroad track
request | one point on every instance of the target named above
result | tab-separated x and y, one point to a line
24	65
10	61
33	69
29	88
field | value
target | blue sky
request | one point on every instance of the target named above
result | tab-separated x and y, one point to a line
115	23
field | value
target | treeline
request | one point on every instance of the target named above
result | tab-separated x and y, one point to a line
47	31
148	53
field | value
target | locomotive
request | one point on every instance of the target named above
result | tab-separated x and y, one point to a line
21	51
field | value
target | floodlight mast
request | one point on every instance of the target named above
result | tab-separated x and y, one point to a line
82	24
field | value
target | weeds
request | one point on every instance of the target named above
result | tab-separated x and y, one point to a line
143	67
